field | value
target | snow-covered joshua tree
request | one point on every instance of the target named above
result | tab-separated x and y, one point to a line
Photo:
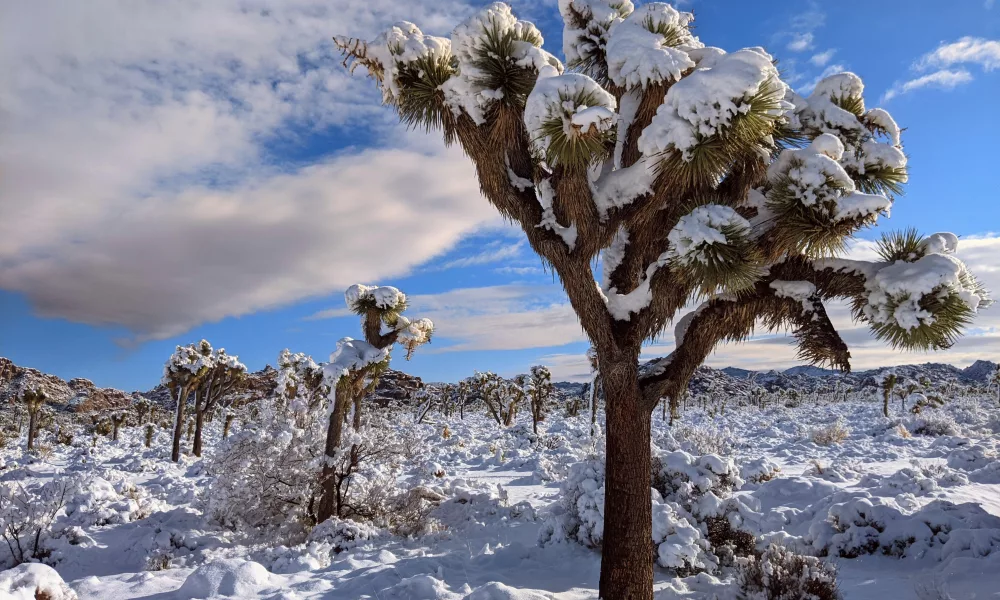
697	174
354	369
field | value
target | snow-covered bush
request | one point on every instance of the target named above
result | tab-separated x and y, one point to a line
265	477
27	515
704	439
932	423
232	577
342	534
940	530
834	433
780	574
34	581
759	470
696	520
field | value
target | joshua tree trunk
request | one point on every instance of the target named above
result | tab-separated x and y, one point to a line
627	565
175	450
32	428
227	424
199	422
149	435
885	403
115	426
329	500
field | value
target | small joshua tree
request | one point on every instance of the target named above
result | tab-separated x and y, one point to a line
118	418
888	383
33	400
182	375
696	174
223	373
353	372
501	397
539	393
300	384
150	430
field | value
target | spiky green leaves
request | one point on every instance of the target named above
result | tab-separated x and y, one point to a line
813	200
387	302
645	49
585	34
873	156
924	296
410	67
940	318
715	118
712	248
498	57
570	120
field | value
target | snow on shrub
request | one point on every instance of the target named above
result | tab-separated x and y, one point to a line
940	530
27	517
759	470
34	581
226	577
834	433
264	478
780	574
97	502
916	480
696	521
933	424
972	458
343	534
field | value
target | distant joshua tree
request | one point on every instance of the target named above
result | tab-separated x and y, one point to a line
33	399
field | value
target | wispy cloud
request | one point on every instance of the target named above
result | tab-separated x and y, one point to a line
944	80
801	42
822	58
966	51
494	252
800	35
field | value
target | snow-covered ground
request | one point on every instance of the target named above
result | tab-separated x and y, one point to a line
914	500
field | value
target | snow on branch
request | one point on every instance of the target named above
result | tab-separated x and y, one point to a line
649	46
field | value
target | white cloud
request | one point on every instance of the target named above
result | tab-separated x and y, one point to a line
822	58
801	42
968	50
170	262
944	79
495	251
138	189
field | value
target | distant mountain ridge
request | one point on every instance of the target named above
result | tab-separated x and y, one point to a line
81	395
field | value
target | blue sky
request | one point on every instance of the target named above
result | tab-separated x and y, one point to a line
177	171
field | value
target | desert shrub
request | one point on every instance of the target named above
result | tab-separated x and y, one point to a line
780	574
834	433
343	534
696	518
933	423
265	481
759	470
27	515
703	439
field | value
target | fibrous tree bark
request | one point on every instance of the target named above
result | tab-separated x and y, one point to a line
697	175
